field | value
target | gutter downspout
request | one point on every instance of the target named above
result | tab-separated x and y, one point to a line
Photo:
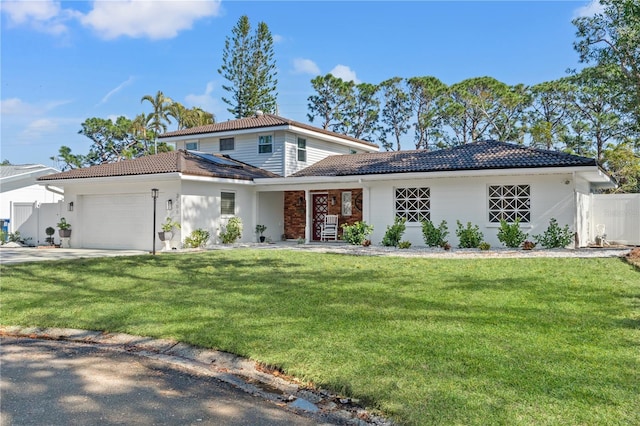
55	191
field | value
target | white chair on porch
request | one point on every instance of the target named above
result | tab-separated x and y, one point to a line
329	228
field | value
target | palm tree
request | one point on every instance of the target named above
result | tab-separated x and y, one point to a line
159	118
139	129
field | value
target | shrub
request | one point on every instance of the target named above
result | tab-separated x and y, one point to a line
528	245
470	237
510	234
394	232
434	237
197	239
554	236
356	234
232	232
484	245
404	244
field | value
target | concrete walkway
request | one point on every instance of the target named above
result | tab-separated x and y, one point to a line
31	254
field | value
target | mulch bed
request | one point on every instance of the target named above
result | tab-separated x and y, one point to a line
633	257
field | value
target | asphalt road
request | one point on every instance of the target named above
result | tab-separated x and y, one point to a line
47	382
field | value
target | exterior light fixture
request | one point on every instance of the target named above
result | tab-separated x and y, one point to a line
169	204
154	195
70	207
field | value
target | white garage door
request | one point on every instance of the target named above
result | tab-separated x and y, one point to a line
117	221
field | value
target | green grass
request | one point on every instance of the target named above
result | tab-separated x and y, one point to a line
426	341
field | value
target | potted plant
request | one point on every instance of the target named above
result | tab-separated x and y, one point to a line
259	230
167	229
49	231
64	228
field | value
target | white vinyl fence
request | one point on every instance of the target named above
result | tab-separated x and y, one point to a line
616	216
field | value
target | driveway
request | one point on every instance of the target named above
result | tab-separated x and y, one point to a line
32	254
49	382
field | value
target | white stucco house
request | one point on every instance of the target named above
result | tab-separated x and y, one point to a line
21	196
288	175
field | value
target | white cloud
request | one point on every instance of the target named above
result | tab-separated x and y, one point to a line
39	128
44	15
21	12
204	101
143	18
277	38
305	66
345	73
591	9
116	90
16	106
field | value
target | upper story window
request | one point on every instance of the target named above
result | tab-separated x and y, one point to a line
191	146
413	204
265	144
509	202
227	144
302	149
227	203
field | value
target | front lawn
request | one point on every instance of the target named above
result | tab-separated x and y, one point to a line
427	341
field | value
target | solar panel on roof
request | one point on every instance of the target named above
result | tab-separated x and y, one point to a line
215	159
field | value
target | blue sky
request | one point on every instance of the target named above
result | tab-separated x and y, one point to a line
64	62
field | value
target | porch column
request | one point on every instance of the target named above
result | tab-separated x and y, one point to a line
307	215
366	208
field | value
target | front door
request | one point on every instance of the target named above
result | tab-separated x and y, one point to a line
320	210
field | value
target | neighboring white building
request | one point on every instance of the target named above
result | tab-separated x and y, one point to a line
286	175
21	195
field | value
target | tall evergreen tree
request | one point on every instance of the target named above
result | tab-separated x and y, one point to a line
248	64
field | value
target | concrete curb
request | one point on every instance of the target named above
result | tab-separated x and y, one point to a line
237	371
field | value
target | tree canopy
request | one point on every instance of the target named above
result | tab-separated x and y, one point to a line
248	64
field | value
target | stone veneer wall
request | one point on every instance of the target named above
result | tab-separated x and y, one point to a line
295	215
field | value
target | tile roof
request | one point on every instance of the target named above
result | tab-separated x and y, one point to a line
257	122
474	156
181	161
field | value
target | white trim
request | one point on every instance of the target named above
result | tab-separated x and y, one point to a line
286	127
585	170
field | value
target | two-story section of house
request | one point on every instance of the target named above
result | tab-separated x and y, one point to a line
267	141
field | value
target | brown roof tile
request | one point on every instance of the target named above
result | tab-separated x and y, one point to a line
257	122
188	163
473	156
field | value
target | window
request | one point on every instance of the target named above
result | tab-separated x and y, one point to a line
346	203
228	203
265	144
227	144
302	149
413	204
191	146
509	202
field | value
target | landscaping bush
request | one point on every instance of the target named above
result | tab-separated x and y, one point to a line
394	232
434	237
484	245
510	234
356	234
470	237
232	232
554	236
197	239
404	244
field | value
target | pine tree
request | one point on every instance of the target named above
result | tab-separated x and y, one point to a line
249	66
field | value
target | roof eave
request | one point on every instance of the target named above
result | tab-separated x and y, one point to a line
592	172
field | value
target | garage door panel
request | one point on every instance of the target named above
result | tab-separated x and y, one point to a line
117	221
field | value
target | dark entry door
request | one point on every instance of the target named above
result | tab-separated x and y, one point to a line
320	210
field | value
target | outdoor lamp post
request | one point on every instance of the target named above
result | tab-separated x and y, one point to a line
154	195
